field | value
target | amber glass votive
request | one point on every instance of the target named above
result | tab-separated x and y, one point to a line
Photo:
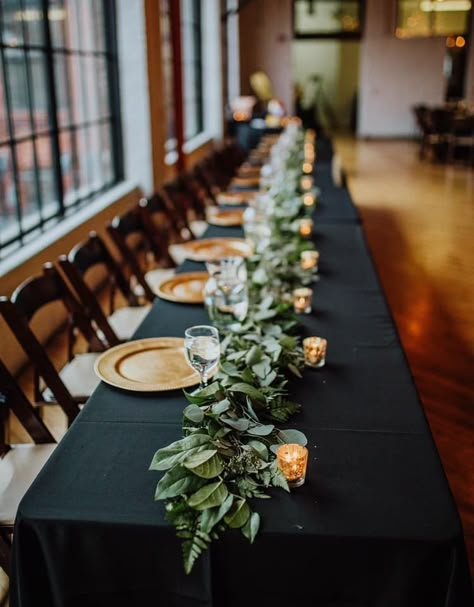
293	461
309	199
309	260
306	227
306	182
315	351
307	167
302	300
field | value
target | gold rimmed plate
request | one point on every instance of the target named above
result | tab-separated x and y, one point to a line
187	287
234	198
212	249
225	217
154	364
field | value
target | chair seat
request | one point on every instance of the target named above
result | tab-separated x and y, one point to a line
78	376
18	469
125	321
198	227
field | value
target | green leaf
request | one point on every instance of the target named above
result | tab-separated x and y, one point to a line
260	448
251	527
176	452
292	436
229	368
212	516
266	302
238	515
177	481
261	430
196	459
194	413
237	424
264	315
193	547
221	406
210	468
259	277
295	370
269	379
253	355
209	496
249	390
262	369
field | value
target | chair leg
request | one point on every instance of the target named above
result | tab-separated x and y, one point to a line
5	551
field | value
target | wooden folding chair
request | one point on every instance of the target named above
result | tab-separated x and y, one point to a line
84	262
75	382
19	464
140	253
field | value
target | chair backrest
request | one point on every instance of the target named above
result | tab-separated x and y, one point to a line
181	202
18	312
160	224
139	252
85	258
12	398
439	120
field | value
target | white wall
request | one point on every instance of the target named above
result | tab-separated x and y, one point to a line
395	75
134	98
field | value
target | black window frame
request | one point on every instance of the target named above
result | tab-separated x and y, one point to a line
53	130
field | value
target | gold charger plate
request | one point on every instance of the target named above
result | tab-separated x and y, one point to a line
246	181
154	364
184	288
237	198
225	217
212	249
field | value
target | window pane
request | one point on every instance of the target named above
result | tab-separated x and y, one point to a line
9	226
27	183
192	67
32	20
39	90
167	71
69	166
106	154
62	94
3	108
18	86
91	85
12	30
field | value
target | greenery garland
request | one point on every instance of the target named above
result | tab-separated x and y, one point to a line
227	455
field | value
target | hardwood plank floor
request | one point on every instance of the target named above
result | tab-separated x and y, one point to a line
418	220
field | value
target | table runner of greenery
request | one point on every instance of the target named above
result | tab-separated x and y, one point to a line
227	456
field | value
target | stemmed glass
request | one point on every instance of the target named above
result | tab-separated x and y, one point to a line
202	350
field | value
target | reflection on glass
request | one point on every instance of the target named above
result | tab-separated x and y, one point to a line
425	18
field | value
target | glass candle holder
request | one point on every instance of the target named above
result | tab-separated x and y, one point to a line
306	227
307	168
302	300
310	136
315	351
309	260
309	199
306	182
293	460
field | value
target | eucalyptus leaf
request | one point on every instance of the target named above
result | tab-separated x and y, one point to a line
210	468
176	452
264	315
254	355
212	516
292	436
194	413
196	459
261	430
212	494
295	370
260	448
221	406
249	391
237	424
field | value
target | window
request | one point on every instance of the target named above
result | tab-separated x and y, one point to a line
167	67
60	143
426	18
192	68
327	18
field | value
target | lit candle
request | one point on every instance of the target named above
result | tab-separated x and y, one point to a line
308	199
310	136
306	227
306	182
315	351
309	260
302	300
293	460
307	167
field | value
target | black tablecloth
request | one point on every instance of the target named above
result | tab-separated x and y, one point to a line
374	525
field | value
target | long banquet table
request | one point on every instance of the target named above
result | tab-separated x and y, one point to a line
374	525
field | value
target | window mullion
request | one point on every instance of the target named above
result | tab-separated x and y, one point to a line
53	109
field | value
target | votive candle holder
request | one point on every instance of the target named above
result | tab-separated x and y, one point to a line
315	349
306	182
309	199
302	300
293	461
309	260
306	227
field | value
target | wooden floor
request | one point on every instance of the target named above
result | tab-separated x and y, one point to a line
418	219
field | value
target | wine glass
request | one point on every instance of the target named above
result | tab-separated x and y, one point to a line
202	350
